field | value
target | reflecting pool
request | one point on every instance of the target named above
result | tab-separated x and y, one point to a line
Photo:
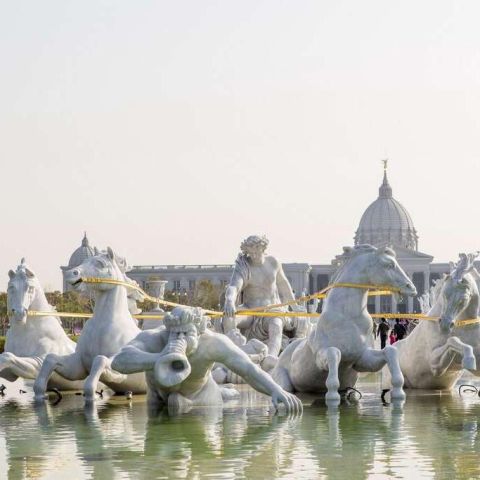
433	436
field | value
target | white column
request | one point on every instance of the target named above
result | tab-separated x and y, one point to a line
410	305
377	304
426	275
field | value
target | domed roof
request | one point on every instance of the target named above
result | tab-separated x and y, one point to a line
386	221
81	253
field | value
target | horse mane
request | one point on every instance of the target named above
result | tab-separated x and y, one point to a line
463	266
430	298
435	290
350	253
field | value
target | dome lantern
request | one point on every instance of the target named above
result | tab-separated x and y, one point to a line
83	252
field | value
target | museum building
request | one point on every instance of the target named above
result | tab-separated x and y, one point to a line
385	222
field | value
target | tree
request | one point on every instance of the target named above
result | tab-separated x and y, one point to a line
206	295
71	302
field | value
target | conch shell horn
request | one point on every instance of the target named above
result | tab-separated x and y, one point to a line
173	366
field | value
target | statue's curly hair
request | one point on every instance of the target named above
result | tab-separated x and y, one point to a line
252	241
183	316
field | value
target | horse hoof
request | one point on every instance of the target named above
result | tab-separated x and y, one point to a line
398	394
332	397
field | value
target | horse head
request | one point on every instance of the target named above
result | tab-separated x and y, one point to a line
102	265
22	289
459	294
377	266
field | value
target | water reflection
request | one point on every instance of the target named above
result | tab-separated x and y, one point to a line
432	436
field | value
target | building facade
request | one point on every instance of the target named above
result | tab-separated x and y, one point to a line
385	222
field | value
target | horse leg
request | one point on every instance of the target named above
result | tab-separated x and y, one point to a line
12	367
281	376
281	373
68	366
374	360
329	360
101	370
442	357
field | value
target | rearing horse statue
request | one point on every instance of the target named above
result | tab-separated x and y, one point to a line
435	353
330	358
110	328
30	339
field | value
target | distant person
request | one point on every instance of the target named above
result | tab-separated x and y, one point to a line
382	330
400	330
393	337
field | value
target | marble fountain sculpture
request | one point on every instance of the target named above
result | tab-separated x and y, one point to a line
178	361
255	349
435	353
260	280
110	328
30	338
341	345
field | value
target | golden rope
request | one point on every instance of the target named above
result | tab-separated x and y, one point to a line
258	311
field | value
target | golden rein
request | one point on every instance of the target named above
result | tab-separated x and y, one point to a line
258	311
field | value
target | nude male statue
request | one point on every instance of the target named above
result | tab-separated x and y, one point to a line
261	280
178	361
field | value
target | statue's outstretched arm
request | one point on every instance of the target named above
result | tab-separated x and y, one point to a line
134	357
234	288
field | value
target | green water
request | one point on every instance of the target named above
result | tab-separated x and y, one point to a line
434	436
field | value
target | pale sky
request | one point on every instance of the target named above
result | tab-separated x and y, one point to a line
172	130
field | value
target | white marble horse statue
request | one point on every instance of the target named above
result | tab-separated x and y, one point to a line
30	338
133	295
110	328
341	345
435	353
